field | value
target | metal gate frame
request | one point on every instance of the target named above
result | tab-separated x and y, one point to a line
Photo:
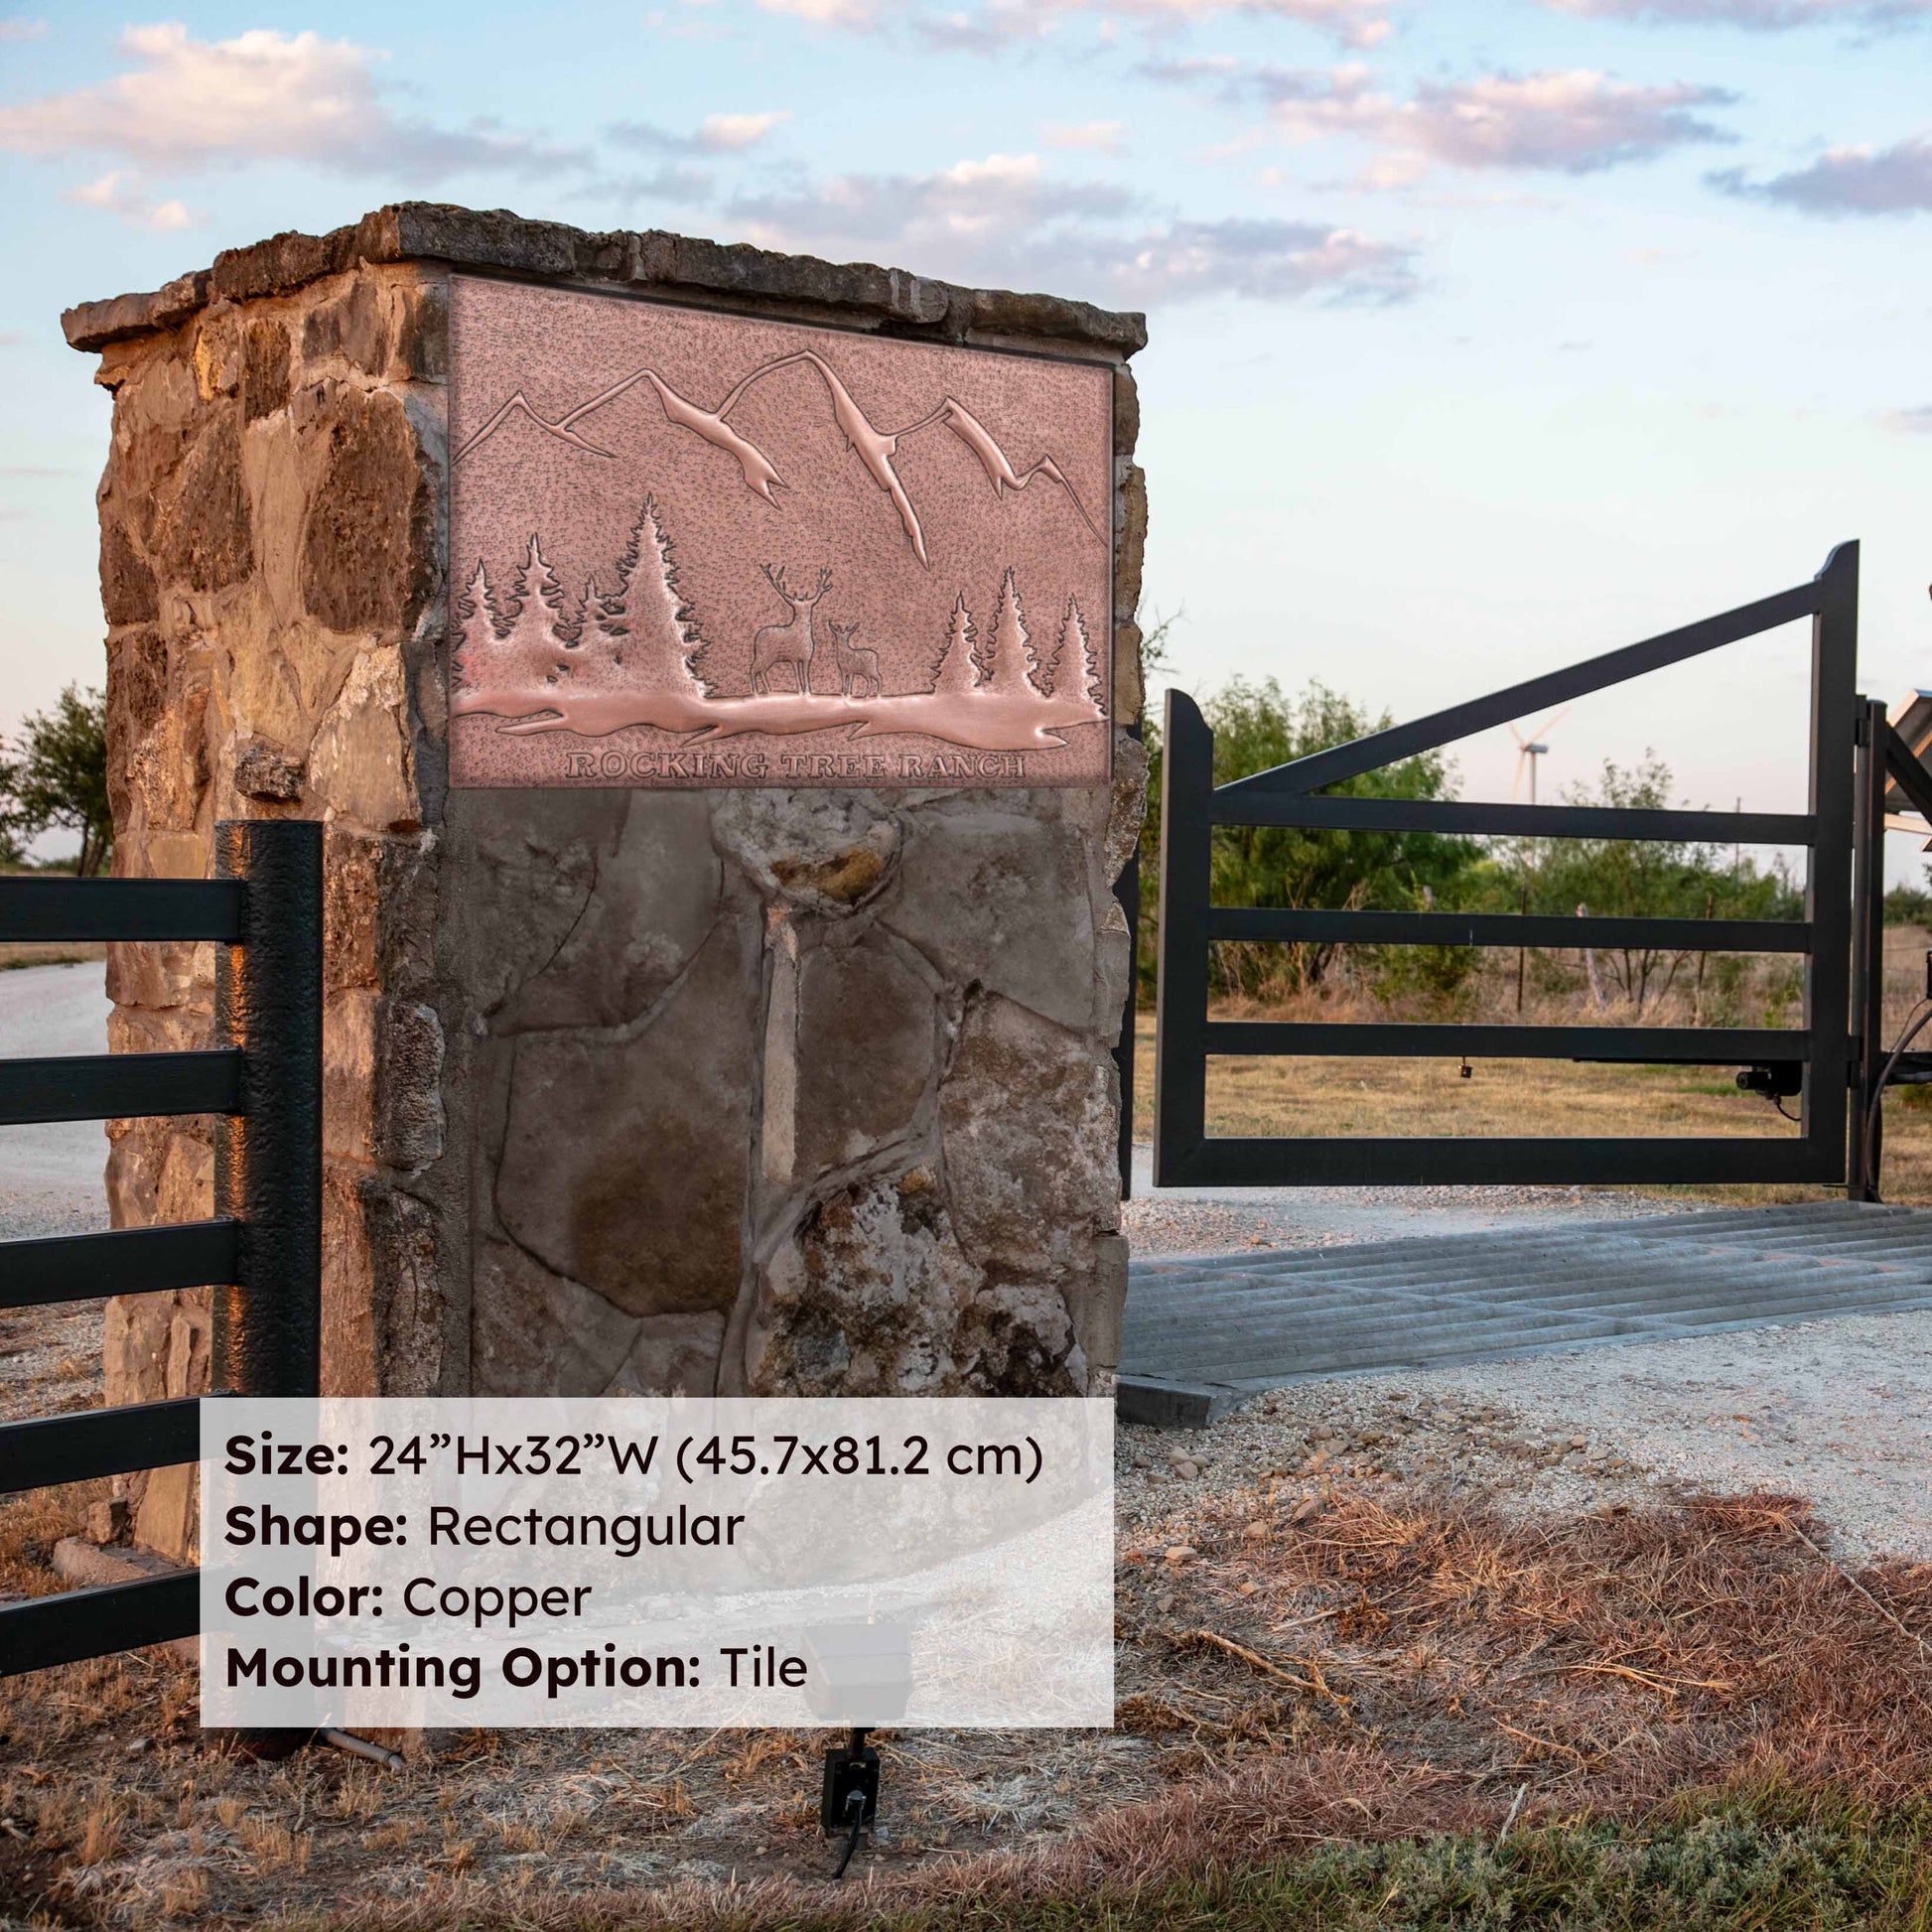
1846	788
262	1251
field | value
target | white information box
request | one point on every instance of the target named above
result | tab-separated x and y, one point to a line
657	1561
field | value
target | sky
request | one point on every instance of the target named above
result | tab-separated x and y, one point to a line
1483	337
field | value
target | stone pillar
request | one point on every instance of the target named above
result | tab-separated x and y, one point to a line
761	1091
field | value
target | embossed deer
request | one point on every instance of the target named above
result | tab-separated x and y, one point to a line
858	664
793	642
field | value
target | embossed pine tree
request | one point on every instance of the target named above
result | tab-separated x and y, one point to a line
534	651
1074	674
479	657
957	670
644	631
1012	671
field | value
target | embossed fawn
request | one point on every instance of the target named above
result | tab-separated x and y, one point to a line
858	663
793	642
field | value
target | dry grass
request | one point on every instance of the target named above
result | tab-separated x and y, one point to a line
1332	1663
29	952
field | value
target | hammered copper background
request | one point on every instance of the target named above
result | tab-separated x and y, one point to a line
557	349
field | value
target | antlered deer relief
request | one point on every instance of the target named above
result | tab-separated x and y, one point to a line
793	642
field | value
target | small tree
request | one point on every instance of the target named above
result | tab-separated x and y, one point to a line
1073	672
957	671
533	642
57	776
1014	663
476	640
643	625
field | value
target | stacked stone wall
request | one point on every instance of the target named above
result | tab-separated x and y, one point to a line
761	1091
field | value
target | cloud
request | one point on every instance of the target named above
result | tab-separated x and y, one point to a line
827	13
1847	181
975	211
1761	16
1100	137
994	24
1003	220
118	193
716	134
1264	259
1909	422
727	133
1198	69
18	28
1573	122
262	96
679	186
1356	22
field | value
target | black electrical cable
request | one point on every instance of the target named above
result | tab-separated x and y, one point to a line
1869	1126
855	1806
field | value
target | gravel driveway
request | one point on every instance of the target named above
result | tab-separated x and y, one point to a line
50	1183
53	1170
1839	1411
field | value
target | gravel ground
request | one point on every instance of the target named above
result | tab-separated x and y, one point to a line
53	1170
1837	1411
50	1183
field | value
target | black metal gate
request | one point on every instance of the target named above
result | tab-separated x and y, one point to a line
1829	1059
262	1251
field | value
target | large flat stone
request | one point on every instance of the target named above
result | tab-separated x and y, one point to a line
1027	1121
653	898
1001	899
529	861
535	1331
497	238
868	1050
625	1160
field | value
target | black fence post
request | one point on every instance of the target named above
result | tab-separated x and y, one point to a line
1869	951
1831	798
1181	1001
268	1155
1127	889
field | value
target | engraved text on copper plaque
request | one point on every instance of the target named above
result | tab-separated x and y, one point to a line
694	549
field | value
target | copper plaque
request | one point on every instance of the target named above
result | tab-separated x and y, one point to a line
694	549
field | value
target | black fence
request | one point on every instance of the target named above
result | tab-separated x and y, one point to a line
1852	753
262	1252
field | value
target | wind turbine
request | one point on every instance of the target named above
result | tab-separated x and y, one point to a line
1529	750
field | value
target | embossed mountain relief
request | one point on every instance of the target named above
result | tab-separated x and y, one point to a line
653	588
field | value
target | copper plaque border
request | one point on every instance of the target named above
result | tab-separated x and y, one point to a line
1103	644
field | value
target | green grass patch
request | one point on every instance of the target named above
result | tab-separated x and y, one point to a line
1714	1863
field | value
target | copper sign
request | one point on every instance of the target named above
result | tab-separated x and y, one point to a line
693	549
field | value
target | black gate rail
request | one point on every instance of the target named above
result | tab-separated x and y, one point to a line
262	1251
1827	1059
